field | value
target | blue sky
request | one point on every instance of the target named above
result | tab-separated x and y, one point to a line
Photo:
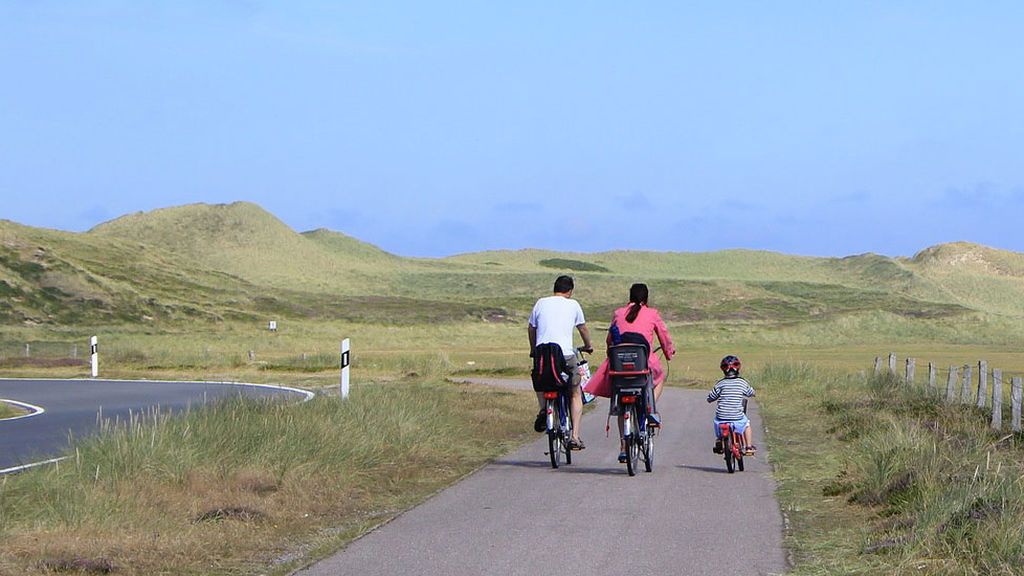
435	128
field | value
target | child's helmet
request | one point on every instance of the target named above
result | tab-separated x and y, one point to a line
731	365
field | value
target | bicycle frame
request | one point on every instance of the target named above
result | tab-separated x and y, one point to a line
637	436
557	410
629	398
733	446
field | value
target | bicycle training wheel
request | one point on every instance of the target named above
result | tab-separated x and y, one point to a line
632	444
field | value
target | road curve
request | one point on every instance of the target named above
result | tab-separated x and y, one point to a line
71	407
518	516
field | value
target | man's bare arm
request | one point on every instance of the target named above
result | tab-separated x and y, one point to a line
585	334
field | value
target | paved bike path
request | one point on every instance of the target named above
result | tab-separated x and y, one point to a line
518	516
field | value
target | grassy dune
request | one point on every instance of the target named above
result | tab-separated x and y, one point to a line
227	262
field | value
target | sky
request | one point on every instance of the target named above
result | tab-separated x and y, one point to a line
437	128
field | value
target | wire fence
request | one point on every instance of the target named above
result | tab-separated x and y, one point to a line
44	353
961	386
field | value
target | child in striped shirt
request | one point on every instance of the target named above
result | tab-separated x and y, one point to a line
731	392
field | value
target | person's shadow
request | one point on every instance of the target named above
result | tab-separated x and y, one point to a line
564	468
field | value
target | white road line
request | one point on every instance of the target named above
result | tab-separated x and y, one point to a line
309	395
36	410
32	408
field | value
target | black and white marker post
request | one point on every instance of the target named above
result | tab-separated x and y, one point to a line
95	360
344	368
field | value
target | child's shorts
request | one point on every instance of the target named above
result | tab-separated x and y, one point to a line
739	425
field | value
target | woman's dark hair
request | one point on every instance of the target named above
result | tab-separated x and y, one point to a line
638	296
564	284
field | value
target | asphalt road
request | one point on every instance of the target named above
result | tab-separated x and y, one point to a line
71	407
518	516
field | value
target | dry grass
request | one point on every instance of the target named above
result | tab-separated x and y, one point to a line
250	487
10	410
884	480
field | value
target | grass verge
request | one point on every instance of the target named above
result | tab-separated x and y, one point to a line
9	411
878	478
247	486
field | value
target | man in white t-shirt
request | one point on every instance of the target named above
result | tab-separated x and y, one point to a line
552	321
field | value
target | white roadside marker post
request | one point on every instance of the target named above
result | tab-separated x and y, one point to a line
344	368
95	360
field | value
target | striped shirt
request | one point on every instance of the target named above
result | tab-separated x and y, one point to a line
730	393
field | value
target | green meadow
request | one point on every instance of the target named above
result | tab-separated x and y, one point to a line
188	293
8	411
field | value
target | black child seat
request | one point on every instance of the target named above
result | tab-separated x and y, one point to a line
627	362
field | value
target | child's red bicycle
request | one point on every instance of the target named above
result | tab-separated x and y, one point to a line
733	446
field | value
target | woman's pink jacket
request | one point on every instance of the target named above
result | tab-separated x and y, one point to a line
648	322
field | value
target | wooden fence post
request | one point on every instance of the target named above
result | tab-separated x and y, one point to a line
910	371
931	377
951	385
878	365
1015	393
892	362
997	399
982	383
966	394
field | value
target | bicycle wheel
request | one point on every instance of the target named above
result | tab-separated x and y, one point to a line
648	450
554	433
739	457
727	449
632	444
566	431
553	451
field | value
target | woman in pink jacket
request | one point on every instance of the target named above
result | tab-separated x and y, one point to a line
640	318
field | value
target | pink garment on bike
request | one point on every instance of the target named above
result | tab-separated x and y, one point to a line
647	322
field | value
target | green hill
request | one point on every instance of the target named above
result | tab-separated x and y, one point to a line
348	248
237	261
52	277
246	241
976	276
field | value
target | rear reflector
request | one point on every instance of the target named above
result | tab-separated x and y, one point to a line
550	395
629	399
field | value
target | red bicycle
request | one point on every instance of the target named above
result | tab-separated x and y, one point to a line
733	446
